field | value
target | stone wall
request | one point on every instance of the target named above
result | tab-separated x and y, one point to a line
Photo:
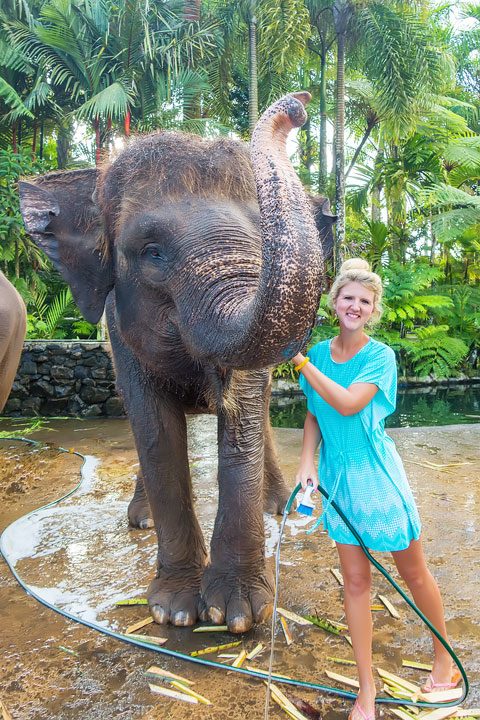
57	378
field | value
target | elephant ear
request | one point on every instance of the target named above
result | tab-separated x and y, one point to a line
324	220
60	215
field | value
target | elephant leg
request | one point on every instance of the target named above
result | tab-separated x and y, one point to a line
159	426
12	333
139	513
275	489
237	587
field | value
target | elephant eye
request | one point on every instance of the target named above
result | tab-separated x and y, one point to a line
153	251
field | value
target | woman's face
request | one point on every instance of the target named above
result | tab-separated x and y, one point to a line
354	306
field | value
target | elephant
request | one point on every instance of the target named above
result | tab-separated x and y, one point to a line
206	255
13	323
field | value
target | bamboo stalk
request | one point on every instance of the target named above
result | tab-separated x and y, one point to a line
211	628
240	659
416	665
341	661
256	651
131	601
441	695
173	694
201	699
136	626
293	617
337	575
391	609
390	677
286	631
215	648
148	639
342	678
161	673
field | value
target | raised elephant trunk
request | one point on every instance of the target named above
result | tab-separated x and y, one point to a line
276	322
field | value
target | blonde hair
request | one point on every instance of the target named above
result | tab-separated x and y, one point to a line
358	270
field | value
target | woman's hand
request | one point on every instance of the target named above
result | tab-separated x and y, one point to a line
307	475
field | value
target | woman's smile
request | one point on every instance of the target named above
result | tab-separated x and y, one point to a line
354	305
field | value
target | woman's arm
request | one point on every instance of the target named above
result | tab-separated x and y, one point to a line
311	440
346	401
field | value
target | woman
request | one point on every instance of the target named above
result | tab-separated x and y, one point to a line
350	385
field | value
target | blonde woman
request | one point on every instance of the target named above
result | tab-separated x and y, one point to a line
350	383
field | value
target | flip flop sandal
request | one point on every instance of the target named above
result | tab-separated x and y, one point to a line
432	686
357	707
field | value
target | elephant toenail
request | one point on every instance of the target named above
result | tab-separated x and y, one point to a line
159	614
183	619
216	615
145	524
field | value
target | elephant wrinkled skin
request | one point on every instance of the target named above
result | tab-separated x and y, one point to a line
13	322
209	273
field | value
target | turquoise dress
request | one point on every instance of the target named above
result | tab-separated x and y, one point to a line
359	465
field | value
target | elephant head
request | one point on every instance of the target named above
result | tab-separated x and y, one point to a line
196	262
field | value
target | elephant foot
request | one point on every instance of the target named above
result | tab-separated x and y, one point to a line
275	496
238	600
176	600
139	513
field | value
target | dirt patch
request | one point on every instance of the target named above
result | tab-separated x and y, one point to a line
82	555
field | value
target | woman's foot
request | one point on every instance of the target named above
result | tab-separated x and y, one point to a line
437	685
364	708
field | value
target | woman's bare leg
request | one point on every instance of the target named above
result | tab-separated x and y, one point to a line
357	588
413	569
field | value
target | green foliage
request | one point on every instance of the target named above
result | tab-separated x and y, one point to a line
45	320
436	353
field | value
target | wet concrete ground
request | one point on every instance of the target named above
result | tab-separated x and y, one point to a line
82	556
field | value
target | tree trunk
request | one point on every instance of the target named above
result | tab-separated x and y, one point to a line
42	130
252	72
376	196
64	141
14	137
126	123
98	142
322	169
34	139
340	151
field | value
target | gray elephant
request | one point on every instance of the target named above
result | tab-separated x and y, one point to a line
204	287
13	320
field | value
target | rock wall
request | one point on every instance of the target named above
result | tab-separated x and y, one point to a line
57	378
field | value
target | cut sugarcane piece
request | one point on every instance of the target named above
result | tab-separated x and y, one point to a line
348	639
342	679
468	712
148	639
377	607
401	713
5	713
215	648
441	695
131	601
161	673
440	713
265	672
256	651
285	703
188	691
286	631
416	665
391	609
337	575
240	659
173	694
136	626
228	656
341	661
398	693
293	617
211	628
400	682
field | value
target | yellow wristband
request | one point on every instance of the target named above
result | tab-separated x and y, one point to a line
302	364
